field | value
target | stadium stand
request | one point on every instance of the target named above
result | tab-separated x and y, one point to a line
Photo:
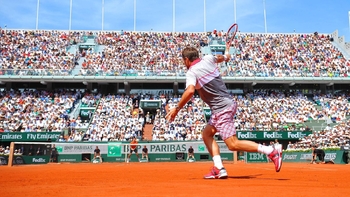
36	53
55	104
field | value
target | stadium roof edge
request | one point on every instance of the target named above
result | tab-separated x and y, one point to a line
79	30
171	79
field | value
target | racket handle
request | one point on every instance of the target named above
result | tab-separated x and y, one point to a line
227	49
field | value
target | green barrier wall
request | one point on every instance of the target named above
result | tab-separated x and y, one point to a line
256	158
22	159
164	151
116	151
173	157
336	156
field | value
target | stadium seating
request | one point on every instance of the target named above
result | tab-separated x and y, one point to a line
62	53
38	53
158	54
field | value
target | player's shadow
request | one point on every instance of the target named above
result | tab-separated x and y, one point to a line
255	176
245	177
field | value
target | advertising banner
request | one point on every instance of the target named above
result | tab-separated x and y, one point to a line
29	136
336	156
271	135
23	159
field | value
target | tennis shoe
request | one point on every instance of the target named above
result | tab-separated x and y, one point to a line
276	157
216	173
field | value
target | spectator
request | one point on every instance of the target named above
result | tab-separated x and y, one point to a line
145	152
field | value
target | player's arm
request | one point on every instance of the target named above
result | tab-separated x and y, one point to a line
187	95
221	58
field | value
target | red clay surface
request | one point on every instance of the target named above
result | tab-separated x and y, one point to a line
174	179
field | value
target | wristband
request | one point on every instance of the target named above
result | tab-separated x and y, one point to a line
225	57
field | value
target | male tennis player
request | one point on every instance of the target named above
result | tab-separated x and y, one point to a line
203	75
133	148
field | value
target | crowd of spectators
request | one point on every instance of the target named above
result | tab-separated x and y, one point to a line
260	110
140	53
330	137
334	107
259	55
120	117
187	125
37	52
36	111
117	118
287	55
41	52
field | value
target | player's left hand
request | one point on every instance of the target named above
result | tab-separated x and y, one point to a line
171	115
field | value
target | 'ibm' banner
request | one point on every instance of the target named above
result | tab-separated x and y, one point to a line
256	157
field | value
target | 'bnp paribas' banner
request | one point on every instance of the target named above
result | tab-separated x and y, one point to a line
116	149
29	136
270	135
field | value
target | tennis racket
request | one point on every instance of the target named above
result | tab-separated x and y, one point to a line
230	36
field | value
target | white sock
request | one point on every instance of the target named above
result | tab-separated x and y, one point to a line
265	149
217	161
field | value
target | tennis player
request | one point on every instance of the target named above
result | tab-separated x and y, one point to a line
203	75
133	148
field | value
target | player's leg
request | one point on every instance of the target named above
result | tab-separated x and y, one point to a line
218	171
212	146
225	125
129	155
274	153
234	144
137	155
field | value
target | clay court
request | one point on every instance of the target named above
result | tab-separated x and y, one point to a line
173	179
